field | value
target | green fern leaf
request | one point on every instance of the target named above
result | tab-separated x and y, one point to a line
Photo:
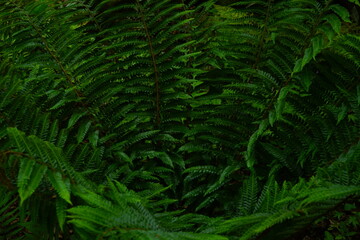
341	12
61	212
29	178
61	185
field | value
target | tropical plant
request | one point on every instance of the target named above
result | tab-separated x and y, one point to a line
174	119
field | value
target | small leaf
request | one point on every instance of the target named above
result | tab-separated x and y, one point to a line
166	159
19	139
227	172
317	45
61	185
58	104
306	79
84	128
158	191
54	130
272	118
307	57
74	118
341	114
341	11
249	156
178	160
273	37
334	21
123	156
94	137
298	66
279	107
61	212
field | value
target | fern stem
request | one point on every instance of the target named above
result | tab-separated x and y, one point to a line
51	52
264	31
153	57
66	74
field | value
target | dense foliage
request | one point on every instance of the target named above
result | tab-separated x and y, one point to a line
173	119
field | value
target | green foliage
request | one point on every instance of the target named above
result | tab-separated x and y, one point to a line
165	119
